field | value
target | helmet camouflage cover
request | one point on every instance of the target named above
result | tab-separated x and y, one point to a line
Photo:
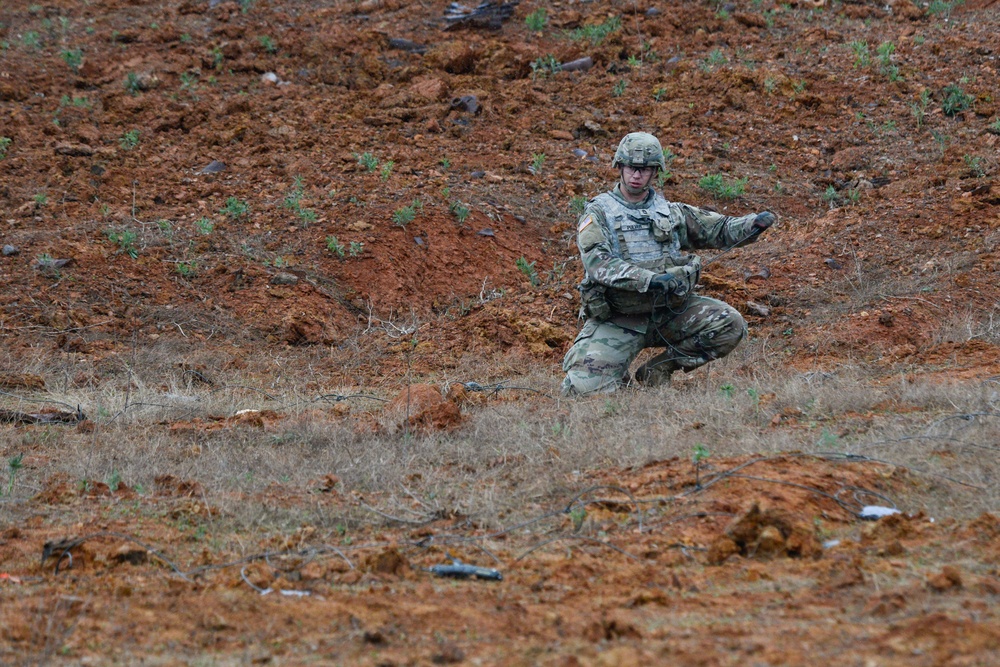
639	149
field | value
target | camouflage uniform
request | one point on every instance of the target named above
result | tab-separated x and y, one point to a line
623	246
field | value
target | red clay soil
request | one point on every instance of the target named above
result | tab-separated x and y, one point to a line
379	172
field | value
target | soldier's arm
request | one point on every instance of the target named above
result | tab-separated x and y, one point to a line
707	229
600	262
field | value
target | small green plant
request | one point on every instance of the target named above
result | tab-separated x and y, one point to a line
537	161
799	87
41	199
217	58
125	240
886	66
267	44
186	38
166	229
715	58
459	210
189	80
596	33
634	62
770	85
831	197
699	455
619	88
32	40
133	84
335	246
577	204
368	161
4	146
114	480
386	170
204	226
187	269
545	66
941	8
536	20
722	188
129	140
862	56
528	269
445	163
355	248
992	128
658	93
14	465
975	165
405	215
727	390
956	100
73	58
919	108
235	208
578	514
293	201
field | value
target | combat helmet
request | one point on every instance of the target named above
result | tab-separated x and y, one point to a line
639	149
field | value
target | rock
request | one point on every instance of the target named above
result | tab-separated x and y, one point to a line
561	134
758	309
213	167
284	279
9	250
578	65
73	150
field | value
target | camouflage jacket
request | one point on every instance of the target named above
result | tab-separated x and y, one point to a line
624	245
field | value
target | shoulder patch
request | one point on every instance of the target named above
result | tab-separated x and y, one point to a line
584	221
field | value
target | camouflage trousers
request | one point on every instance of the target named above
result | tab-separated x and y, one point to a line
702	330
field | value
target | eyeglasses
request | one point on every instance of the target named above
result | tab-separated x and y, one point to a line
644	171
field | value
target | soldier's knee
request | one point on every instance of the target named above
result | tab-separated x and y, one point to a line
584	384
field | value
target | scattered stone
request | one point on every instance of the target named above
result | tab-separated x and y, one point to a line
579	152
578	65
486	231
833	264
213	167
949	577
73	150
467	103
9	250
488	14
285	279
562	135
758	309
407	45
593	128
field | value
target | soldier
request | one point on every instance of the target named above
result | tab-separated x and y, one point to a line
638	286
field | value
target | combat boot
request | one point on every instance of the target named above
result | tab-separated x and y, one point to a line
656	372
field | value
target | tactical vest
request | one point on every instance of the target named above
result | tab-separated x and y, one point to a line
646	237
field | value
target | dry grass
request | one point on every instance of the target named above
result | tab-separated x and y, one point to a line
516	453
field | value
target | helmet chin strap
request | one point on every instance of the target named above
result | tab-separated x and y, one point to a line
629	189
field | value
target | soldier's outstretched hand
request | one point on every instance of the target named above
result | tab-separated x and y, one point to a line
763	220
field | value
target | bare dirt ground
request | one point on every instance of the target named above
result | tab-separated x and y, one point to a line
327	211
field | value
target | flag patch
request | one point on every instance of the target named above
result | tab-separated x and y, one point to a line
585	222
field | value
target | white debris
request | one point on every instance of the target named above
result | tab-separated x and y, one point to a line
872	512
